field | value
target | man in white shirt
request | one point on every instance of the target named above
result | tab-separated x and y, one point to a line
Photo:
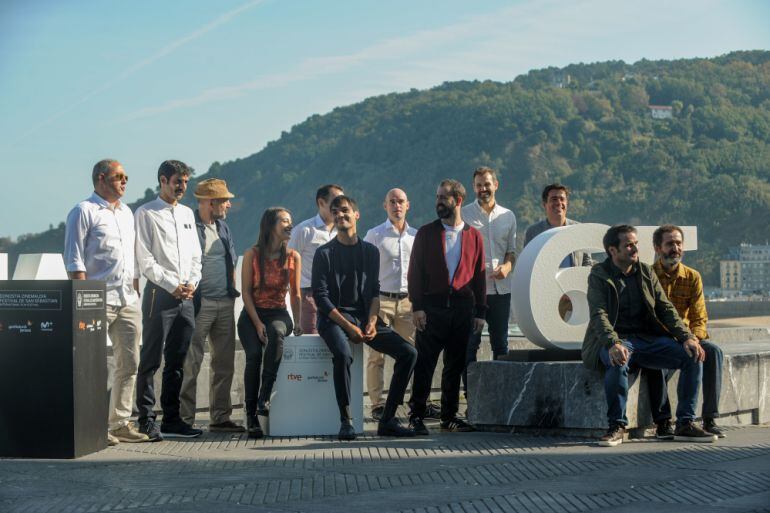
394	239
168	254
99	245
306	238
497	225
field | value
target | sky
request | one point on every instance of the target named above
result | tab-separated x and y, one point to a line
202	81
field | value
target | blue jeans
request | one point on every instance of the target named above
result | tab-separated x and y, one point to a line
652	353
712	385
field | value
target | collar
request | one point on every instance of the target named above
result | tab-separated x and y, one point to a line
103	202
165	204
390	226
200	222
495	209
659	269
617	273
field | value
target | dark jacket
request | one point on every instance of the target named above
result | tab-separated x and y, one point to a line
429	277
325	279
603	305
230	256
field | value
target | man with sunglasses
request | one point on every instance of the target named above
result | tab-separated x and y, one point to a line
99	245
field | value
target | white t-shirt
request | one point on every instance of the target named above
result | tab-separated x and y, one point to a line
452	248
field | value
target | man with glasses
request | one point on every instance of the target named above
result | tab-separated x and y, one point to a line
99	245
214	303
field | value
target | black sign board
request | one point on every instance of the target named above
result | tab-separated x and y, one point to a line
53	368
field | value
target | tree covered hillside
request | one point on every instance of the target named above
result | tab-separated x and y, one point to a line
586	125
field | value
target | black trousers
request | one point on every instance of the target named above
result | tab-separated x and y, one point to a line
278	325
498	312
167	327
387	342
448	329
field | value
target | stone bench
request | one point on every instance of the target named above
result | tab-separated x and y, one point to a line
564	396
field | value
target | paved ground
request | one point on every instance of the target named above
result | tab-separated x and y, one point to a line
740	322
445	472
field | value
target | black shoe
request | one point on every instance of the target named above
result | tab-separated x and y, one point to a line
227	426
253	427
263	409
377	412
689	432
179	429
710	426
613	436
456	425
664	431
393	428
347	432
432	412
418	426
150	428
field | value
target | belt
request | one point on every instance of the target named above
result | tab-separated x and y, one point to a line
394	295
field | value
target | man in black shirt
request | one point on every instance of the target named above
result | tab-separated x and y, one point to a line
346	290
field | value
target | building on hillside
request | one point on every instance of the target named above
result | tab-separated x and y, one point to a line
747	269
661	112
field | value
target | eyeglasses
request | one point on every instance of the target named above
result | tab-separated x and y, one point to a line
116	178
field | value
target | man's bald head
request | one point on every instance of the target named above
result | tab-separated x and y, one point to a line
396	205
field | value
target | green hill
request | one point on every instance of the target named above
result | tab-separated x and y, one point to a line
586	125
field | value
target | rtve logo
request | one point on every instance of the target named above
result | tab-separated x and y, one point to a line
294	377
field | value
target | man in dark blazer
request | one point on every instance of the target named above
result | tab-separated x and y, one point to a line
346	290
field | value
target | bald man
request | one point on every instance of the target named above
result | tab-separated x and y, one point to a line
394	239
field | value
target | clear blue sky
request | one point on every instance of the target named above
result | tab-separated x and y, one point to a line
201	81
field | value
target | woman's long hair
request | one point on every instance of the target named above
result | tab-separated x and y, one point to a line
266	225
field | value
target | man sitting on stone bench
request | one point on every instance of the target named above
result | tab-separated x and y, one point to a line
632	323
684	288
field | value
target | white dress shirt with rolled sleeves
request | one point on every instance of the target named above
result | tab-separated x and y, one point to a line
168	252
306	237
99	241
395	248
498	229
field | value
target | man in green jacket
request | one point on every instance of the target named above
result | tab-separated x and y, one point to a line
632	323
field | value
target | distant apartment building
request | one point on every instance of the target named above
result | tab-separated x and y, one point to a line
746	269
661	112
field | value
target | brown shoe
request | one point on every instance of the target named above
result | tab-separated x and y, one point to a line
613	436
227	426
129	434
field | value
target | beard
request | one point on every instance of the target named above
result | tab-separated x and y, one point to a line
671	260
442	211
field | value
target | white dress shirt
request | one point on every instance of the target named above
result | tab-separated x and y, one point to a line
395	248
99	241
167	249
306	237
453	246
498	229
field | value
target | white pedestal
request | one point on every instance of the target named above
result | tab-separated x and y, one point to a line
40	266
3	266
303	401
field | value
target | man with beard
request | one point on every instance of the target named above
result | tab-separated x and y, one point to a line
99	245
684	288
346	289
214	301
168	254
632	323
497	226
447	288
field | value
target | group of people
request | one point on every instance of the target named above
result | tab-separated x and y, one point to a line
407	293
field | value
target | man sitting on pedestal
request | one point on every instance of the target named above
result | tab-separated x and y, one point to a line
632	323
684	288
346	290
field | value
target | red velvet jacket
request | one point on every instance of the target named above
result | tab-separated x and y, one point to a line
429	277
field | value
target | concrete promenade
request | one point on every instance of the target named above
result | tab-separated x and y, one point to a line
445	472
